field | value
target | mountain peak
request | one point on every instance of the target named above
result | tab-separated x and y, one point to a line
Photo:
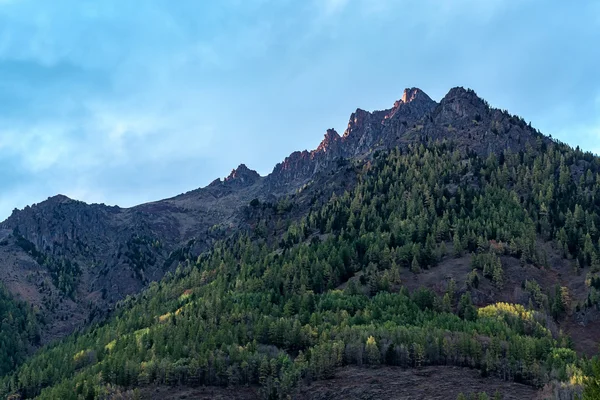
242	175
331	134
59	198
464	102
411	94
357	119
330	139
460	92
414	101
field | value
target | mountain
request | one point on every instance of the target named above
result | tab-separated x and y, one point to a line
119	251
455	219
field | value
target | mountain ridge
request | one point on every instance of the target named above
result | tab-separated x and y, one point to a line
121	250
453	100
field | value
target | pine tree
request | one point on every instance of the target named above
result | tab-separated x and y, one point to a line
390	355
419	355
466	310
498	277
372	351
558	306
457	244
451	289
473	279
446	303
414	266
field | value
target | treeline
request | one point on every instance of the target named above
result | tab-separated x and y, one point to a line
269	311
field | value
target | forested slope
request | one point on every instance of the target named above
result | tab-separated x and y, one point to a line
297	296
19	331
73	261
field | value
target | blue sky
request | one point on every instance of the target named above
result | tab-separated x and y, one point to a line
123	101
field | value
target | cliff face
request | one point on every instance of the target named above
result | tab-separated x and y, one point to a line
366	131
119	251
461	117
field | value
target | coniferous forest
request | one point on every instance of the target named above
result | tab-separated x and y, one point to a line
298	295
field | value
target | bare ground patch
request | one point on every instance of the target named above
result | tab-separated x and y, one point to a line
394	383
390	383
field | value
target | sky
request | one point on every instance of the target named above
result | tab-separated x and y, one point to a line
127	101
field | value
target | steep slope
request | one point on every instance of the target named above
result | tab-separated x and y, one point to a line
19	331
119	251
335	289
320	264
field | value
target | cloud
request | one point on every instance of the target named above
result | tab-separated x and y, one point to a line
125	101
99	92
